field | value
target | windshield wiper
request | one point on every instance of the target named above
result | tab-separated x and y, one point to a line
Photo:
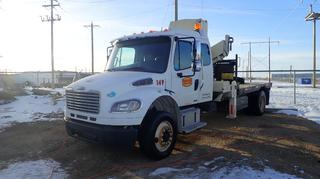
127	69
135	69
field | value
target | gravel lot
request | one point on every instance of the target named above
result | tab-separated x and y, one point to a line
284	143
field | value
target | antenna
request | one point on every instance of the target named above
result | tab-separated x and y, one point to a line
176	10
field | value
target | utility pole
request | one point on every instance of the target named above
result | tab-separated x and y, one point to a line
175	10
269	55
269	60
51	19
313	16
91	26
250	56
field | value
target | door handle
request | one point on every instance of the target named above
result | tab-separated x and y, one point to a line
196	84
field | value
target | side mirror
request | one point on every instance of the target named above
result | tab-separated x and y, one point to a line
198	51
196	65
109	50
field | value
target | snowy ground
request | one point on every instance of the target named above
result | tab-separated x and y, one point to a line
307	100
51	169
210	170
243	172
30	108
34	170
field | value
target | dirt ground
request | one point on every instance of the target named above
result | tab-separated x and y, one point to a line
285	143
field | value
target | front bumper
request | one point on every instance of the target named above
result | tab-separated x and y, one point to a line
97	133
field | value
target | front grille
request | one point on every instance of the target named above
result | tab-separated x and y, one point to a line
83	101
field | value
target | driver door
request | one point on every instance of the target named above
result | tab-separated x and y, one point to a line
184	83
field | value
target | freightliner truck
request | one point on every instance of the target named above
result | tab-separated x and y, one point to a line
155	86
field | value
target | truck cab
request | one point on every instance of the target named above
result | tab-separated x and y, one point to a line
154	87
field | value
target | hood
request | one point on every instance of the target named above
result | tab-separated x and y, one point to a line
119	80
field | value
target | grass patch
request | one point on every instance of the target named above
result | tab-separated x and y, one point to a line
7	96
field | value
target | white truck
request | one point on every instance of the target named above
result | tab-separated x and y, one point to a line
155	86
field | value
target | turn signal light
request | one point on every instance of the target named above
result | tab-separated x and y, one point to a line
197	26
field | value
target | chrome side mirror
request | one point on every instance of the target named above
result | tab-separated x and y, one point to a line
109	50
198	51
196	65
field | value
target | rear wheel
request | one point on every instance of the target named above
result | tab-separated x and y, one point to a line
158	136
257	103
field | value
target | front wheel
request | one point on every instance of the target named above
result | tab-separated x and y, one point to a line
158	135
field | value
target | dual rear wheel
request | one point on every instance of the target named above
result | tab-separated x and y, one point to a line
257	103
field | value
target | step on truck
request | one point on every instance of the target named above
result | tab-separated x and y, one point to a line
155	86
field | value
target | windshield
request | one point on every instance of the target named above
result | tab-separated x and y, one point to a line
145	54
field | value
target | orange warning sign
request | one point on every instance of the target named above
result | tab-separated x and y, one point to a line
187	81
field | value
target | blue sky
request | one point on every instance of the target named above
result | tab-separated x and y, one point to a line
25	40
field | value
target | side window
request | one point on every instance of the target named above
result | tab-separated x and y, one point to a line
183	55
125	56
205	55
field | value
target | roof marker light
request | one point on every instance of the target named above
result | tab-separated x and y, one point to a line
197	26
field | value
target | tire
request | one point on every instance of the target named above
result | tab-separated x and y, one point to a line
158	135
257	103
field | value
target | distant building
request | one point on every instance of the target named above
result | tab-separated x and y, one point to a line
300	77
37	78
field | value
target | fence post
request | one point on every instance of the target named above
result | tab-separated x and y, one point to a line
294	87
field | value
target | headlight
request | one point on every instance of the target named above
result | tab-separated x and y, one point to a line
126	106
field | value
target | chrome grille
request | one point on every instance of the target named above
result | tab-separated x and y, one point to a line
83	101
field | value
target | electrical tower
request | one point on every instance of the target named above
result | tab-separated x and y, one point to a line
269	55
313	16
53	17
91	26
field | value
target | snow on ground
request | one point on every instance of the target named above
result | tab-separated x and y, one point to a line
212	169
249	173
34	170
62	91
307	100
29	108
165	170
243	172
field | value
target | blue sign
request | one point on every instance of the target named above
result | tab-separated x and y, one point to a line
306	81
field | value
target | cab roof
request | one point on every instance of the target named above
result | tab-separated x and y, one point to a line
181	28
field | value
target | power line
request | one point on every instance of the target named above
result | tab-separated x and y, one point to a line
241	9
250	55
91	26
53	17
90	2
165	14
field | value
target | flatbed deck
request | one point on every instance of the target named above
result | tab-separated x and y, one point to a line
247	88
